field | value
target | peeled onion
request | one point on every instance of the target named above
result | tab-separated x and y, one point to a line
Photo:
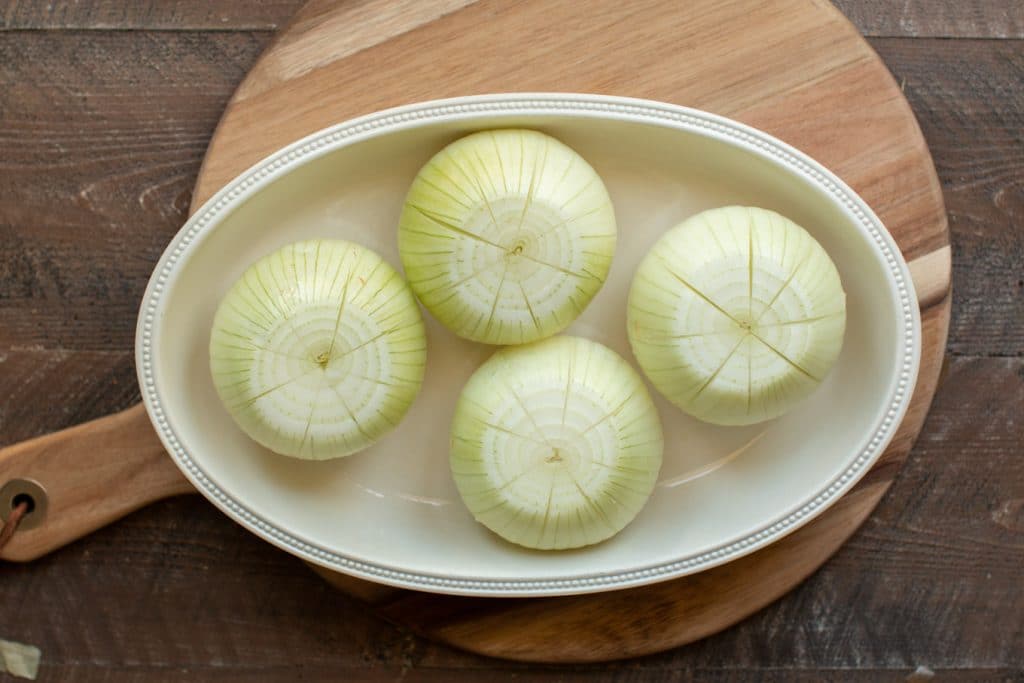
506	236
736	315
556	444
318	350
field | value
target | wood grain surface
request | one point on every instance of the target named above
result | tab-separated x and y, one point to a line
801	73
930	19
932	580
797	90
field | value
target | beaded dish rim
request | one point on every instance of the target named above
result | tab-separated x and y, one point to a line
533	104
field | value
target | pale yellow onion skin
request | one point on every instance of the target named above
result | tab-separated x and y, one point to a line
556	444
736	315
318	350
506	236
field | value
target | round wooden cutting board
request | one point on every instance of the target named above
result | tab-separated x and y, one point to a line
794	68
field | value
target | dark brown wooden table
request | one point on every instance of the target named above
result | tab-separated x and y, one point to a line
105	111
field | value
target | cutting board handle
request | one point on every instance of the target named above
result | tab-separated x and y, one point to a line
83	478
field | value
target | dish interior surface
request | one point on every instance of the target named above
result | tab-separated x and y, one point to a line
391	513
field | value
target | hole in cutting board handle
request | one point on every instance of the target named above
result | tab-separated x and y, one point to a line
17	491
29	501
